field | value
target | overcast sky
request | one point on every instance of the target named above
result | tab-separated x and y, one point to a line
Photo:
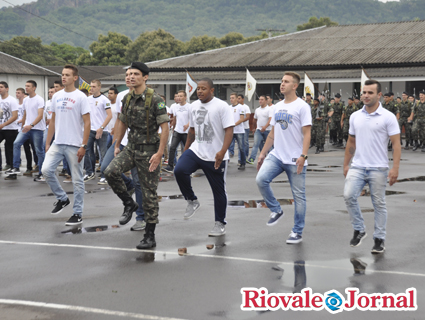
18	2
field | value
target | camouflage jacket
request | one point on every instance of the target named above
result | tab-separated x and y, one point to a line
419	110
317	113
143	122
348	111
405	109
337	108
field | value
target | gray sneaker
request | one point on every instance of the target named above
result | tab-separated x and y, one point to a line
138	226
218	230
192	207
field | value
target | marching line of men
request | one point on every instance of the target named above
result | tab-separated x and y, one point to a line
290	126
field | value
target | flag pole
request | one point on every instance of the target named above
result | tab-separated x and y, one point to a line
317	89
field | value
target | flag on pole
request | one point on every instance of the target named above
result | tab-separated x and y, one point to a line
191	86
250	86
308	86
83	85
364	78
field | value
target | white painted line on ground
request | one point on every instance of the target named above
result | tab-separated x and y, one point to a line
83	309
45	244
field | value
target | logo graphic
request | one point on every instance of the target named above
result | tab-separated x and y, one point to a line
308	90
333	301
283	118
190	87
249	86
161	105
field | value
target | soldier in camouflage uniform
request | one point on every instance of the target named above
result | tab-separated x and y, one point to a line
317	130
345	119
358	103
418	114
391	106
324	106
336	113
405	112
143	112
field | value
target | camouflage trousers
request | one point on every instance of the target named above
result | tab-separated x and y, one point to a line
125	161
407	128
418	129
336	125
345	129
318	132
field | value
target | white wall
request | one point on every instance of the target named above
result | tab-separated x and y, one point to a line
18	81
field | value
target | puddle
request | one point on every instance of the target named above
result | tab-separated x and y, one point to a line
283	181
85	191
420	178
256	203
391	159
318	170
174	197
79	230
332	166
363	210
366	192
197	175
312	165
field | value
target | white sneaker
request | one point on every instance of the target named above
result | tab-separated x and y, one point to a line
218	230
102	181
294	238
192	207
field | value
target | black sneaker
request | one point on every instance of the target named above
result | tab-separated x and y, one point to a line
75	219
274	218
63	173
169	169
39	178
379	246
11	177
357	238
13	171
88	177
59	205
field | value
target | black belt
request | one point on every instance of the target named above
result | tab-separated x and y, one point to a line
143	147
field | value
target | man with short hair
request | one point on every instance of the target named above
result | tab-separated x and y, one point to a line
345	119
210	134
238	131
32	129
405	111
262	118
100	115
290	134
8	126
336	113
70	116
112	96
269	100
58	85
180	122
317	129
241	101
370	129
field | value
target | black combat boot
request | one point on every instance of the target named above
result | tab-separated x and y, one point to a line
317	150
407	145
416	145
322	148
149	238
129	207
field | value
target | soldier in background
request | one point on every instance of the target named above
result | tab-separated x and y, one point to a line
309	100
336	113
345	119
358	103
317	130
405	111
418	118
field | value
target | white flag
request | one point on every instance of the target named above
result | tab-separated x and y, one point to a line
363	80
250	86
191	86
308	86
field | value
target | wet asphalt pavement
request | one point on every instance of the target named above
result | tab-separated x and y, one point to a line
49	271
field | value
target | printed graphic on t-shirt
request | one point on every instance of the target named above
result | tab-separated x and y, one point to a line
65	106
7	113
283	118
204	129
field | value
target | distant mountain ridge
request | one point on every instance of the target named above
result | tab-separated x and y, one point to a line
186	19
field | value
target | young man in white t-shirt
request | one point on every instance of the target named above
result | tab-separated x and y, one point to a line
290	135
370	129
210	133
70	123
48	114
238	112
8	126
262	118
32	129
180	122
112	96
100	115
241	101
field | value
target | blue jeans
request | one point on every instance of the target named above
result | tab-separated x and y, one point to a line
259	140
239	137
36	136
354	182
246	137
109	141
90	158
45	138
54	156
130	184
271	168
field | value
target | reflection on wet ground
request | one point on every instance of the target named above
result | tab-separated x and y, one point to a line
332	166
400	159
173	197
283	181
318	170
362	209
197	174
79	229
366	192
164	177
420	178
256	203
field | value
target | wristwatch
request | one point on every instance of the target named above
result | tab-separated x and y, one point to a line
102	127
304	156
32	125
84	146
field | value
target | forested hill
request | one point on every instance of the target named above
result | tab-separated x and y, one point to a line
185	19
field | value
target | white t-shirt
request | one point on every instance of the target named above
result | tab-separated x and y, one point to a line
31	106
237	111
182	114
69	107
118	108
372	133
20	113
48	111
98	114
247	111
209	121
288	120
168	112
262	115
111	123
9	105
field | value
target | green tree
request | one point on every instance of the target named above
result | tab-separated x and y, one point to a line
11	23
154	45
201	43
313	22
29	49
232	38
107	50
67	52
